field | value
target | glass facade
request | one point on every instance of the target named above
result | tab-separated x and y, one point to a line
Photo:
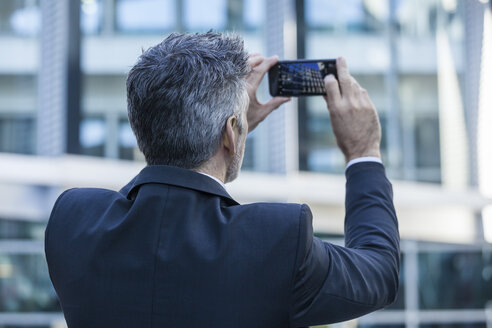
404	90
25	285
455	280
399	69
353	16
135	25
195	20
91	20
20	17
155	16
392	47
20	24
451	284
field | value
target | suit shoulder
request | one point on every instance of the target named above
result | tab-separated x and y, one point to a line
80	194
81	203
282	212
83	198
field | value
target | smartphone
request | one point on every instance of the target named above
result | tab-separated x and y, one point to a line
294	78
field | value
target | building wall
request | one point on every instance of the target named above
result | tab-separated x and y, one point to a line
418	60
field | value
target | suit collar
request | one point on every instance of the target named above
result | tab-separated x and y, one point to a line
176	176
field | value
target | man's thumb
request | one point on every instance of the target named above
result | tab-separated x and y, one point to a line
276	102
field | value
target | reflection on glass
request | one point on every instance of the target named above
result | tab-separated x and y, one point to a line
93	136
419	110
205	15
18	229
254	13
126	141
91	16
323	154
145	15
17	134
422	18
381	326
249	151
25	285
454	325
349	15
417	18
20	17
454	280
427	141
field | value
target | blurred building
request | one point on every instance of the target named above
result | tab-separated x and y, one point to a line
427	65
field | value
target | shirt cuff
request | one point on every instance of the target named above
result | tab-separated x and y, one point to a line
364	159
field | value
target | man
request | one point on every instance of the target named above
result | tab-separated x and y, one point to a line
173	249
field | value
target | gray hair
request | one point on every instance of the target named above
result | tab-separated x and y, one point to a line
182	91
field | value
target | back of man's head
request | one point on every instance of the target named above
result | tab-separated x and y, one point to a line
180	94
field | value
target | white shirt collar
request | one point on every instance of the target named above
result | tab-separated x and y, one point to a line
210	176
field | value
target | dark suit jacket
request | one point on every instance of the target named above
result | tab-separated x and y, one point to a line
173	249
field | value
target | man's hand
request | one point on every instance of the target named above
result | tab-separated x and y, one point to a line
257	111
353	115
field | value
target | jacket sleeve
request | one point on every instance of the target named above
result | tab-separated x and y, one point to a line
333	283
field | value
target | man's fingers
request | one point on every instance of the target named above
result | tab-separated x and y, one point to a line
267	64
344	77
260	68
255	59
356	88
333	95
276	102
258	112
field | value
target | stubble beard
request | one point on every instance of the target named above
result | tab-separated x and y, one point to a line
233	169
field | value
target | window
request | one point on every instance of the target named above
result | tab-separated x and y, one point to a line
91	15
215	18
20	17
93	136
141	16
455	280
353	16
127	142
25	285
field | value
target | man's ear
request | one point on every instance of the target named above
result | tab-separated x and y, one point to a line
230	135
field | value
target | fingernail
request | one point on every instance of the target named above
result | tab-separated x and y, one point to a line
341	60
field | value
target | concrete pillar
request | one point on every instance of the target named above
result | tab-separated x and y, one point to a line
281	125
59	78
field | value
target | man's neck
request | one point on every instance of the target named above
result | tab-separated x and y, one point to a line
213	169
212	177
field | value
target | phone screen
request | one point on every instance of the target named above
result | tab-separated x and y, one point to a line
300	77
